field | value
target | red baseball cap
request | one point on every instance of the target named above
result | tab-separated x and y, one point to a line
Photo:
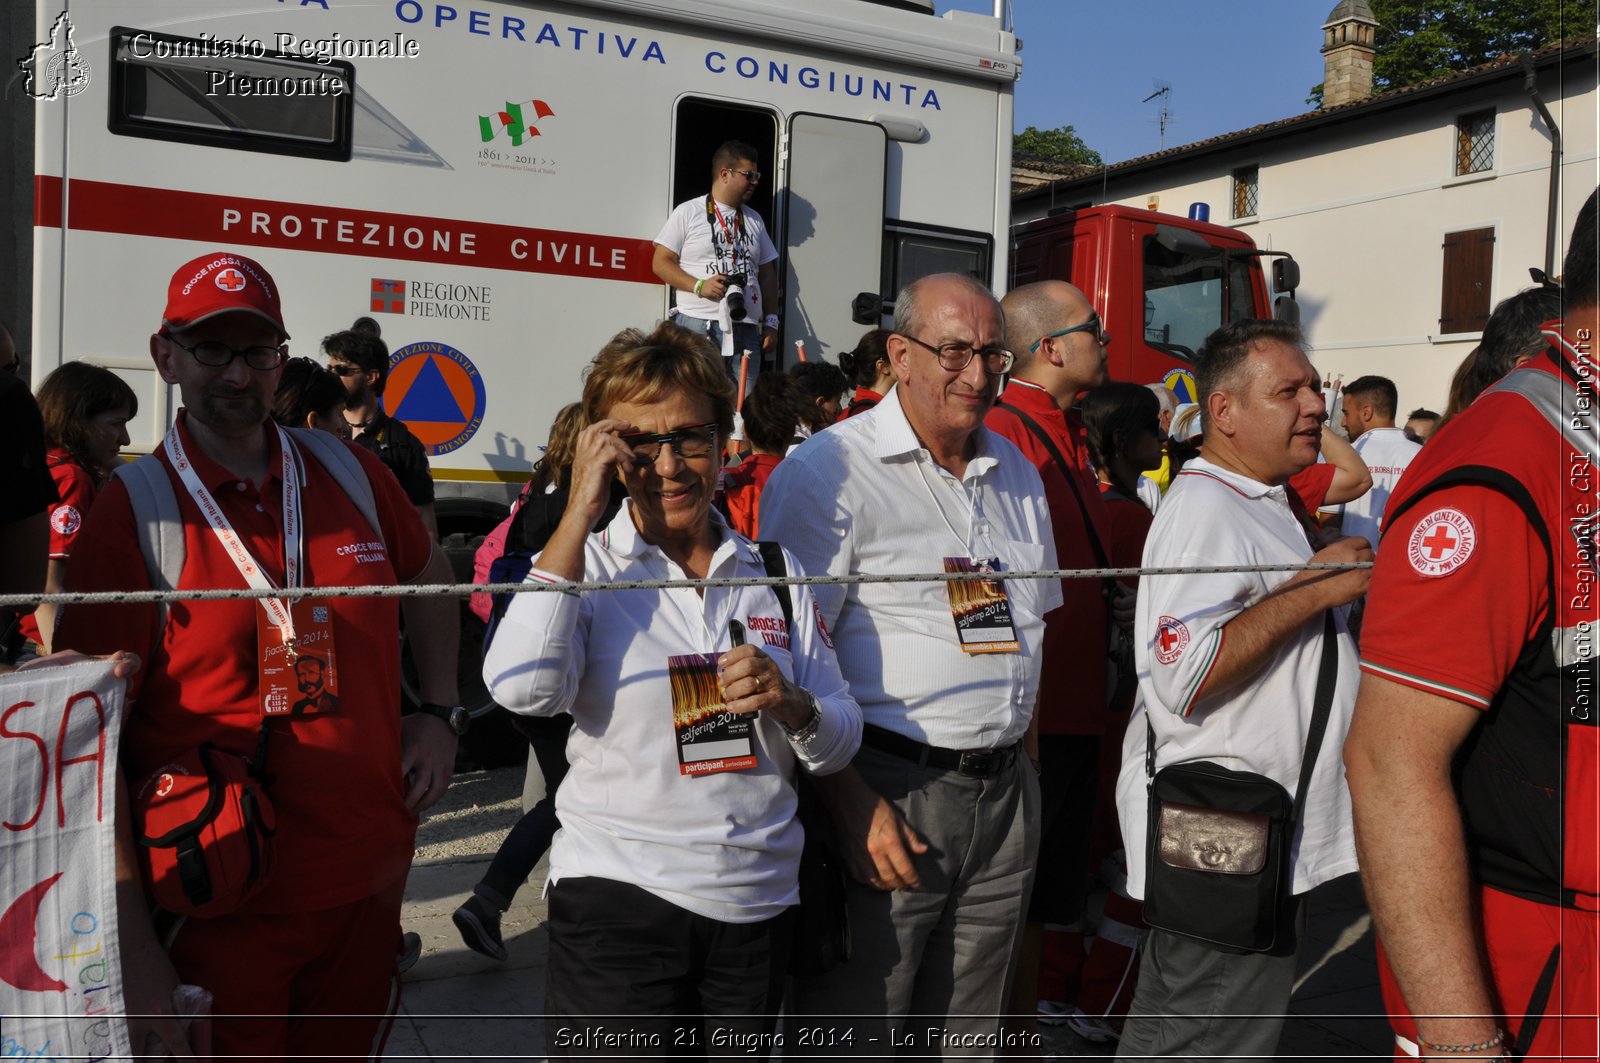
220	283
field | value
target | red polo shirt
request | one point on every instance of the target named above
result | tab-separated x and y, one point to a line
76	487
344	831
1072	686
743	484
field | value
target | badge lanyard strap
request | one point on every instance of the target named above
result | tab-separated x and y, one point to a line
976	542
734	239
277	609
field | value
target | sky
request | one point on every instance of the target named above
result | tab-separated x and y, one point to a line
1231	64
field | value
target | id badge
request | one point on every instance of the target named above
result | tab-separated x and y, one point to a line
303	679
981	609
709	737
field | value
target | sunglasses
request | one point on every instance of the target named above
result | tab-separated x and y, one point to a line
1091	326
690	441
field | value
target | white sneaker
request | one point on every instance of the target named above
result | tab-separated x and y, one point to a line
1094	1030
1053	1012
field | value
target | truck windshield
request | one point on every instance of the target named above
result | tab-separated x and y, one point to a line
1184	295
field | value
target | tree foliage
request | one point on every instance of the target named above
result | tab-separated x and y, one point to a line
1419	40
1056	145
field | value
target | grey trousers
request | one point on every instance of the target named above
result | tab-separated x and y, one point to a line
1194	1002
930	968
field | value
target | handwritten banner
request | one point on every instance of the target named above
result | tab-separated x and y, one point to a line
60	976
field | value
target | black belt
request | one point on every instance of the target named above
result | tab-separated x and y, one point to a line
976	763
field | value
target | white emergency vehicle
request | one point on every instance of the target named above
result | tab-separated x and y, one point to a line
484	178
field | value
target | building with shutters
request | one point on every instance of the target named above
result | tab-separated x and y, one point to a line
1412	211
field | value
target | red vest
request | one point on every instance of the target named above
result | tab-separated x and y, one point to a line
1529	774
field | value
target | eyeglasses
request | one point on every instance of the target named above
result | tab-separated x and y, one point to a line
954	357
690	441
218	355
752	176
340	369
1091	326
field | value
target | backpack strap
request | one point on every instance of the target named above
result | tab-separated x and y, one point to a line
157	520
345	468
772	560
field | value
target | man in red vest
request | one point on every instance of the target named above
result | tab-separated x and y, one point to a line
1474	758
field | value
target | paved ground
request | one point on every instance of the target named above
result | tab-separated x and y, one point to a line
462	1006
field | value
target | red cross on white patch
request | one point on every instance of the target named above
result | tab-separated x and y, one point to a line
230	280
1171	637
1441	542
66	520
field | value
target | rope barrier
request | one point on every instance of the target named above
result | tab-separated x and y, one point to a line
459	590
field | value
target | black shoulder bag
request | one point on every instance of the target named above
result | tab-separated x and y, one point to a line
1217	857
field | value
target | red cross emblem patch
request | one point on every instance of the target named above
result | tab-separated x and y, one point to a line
66	520
1441	542
1171	638
230	279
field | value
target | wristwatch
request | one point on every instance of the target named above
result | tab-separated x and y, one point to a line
455	717
807	731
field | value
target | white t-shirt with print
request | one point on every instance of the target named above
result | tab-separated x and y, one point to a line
728	242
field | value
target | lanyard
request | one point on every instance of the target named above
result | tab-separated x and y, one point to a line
976	542
715	210
276	608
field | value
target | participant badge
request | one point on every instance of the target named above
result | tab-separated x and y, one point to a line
303	679
709	737
981	608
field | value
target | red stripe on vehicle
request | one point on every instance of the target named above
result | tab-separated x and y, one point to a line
237	221
47	202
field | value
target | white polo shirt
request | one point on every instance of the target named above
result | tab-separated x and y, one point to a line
1215	517
865	497
1387	452
723	845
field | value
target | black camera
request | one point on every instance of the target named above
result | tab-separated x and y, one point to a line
734	296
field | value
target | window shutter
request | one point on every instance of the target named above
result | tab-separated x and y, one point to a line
1468	269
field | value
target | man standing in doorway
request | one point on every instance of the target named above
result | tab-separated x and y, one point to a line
714	252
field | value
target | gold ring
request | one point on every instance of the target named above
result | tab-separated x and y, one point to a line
758	683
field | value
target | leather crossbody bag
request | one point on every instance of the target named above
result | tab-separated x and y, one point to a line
1217	863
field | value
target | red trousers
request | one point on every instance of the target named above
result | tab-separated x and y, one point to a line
275	977
1524	939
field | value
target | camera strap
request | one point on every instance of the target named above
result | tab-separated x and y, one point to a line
734	233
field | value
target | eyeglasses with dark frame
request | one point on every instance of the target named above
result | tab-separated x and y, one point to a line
219	355
1091	326
690	441
748	175
344	369
954	357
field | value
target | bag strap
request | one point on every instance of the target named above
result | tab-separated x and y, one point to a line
156	519
159	522
772	560
336	457
1107	584
1067	472
1322	708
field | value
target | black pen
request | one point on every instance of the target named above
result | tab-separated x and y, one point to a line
736	632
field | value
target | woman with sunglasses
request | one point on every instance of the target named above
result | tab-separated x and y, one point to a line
674	873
